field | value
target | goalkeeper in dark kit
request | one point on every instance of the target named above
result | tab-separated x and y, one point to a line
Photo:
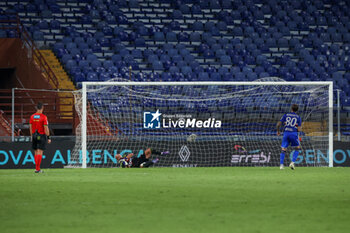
143	161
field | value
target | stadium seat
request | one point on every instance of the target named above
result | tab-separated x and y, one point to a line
196	9
55	24
171	37
225	60
159	36
70	64
107	64
174	70
183	37
237	31
83	64
195	37
136	53
133	3
239	76
104	76
92	76
177	14
157	65
140	41
95	64
186	70
37	35
185	9
251	38
203	76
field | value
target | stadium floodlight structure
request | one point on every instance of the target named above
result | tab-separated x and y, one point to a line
201	123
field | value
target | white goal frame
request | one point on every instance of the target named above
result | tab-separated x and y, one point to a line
86	84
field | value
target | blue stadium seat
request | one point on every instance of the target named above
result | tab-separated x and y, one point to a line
176	58
157	65
107	64
104	76
183	36
140	41
185	9
91	57
79	77
92	76
264	75
137	53
346	37
225	60
174	70
196	9
271	42
237	31
83	64
70	64
37	35
219	53
251	76
66	57
159	36
113	69
134	3
223	33
152	57
186	70
282	43
55	24
222	26
203	76
174	25
195	37
177	14
83	46
239	76
193	64
95	64
171	37
235	15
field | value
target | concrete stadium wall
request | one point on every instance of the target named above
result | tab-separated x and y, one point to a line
13	54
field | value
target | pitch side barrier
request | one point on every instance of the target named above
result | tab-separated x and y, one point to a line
58	155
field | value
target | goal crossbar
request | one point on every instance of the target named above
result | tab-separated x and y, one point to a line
303	83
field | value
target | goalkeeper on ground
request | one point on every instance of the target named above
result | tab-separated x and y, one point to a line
140	162
292	125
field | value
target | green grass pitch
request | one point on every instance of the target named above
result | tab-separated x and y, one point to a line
175	200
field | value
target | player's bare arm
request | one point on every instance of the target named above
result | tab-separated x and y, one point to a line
278	126
47	132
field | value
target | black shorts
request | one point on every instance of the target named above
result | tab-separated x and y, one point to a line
39	141
136	162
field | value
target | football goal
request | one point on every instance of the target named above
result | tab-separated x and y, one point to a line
201	123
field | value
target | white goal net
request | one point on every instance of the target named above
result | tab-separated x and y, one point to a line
201	123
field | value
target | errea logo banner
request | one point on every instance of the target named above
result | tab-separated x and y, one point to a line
152	120
253	156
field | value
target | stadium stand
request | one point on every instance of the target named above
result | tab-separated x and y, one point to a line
220	40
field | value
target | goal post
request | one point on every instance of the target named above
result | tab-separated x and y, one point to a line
128	100
330	123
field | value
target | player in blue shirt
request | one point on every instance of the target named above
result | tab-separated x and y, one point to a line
292	125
